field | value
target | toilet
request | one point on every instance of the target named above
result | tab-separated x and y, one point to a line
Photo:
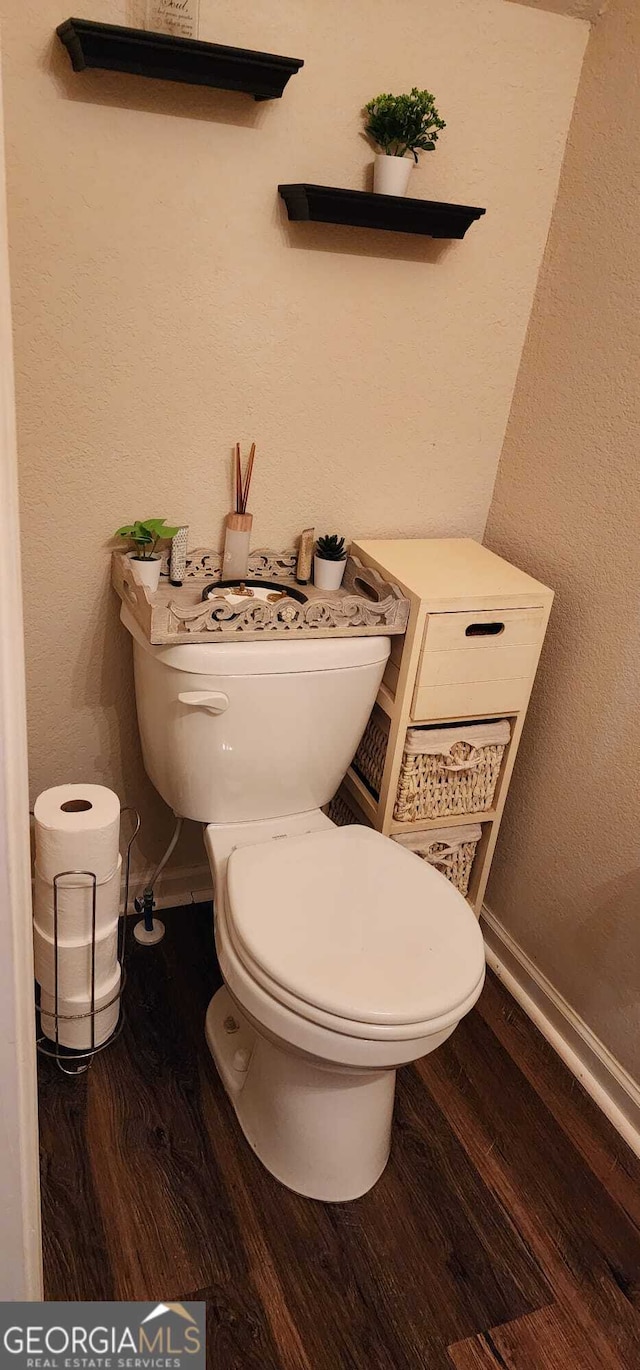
343	954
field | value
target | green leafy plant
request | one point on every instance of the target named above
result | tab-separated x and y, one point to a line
145	535
331	548
403	123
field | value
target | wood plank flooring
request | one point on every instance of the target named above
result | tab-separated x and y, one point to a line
505	1231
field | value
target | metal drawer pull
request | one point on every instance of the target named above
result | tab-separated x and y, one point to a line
484	630
213	700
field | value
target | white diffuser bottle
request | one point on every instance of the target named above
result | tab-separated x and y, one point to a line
237	545
180	18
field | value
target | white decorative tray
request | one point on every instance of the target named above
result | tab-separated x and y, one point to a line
364	605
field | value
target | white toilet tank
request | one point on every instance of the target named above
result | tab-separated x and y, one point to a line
234	732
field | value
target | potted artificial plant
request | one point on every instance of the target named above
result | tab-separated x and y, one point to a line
329	562
401	126
145	535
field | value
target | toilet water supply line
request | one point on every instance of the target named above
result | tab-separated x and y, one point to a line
150	930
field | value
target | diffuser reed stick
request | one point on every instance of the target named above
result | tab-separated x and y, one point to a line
243	487
238	480
247	484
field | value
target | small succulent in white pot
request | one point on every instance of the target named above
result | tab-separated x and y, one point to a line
401	126
145	534
329	562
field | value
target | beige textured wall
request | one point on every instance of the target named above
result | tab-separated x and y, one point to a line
164	307
566	880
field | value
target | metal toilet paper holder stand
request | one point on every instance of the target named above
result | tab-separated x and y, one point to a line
69	1060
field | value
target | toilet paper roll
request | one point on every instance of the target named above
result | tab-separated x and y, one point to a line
74	963
75	1031
75	901
77	827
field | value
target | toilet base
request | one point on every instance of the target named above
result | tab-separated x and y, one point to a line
322	1132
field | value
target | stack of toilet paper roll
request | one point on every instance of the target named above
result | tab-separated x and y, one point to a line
77	828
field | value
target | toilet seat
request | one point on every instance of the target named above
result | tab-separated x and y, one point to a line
354	933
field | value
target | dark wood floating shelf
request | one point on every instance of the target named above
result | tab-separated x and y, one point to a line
330	205
114	48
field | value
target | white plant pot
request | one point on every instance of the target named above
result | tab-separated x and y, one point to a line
148	571
327	575
391	174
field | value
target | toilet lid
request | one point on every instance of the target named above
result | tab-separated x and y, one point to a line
351	923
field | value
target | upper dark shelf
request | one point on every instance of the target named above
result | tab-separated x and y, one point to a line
115	48
330	205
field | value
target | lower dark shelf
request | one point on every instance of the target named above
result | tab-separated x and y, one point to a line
331	205
114	48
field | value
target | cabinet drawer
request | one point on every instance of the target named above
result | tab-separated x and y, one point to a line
465	701
477	662
489	630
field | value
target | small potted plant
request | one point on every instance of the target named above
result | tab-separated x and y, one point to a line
145	535
401	126
329	562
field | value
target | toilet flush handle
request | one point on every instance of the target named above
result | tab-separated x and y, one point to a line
214	701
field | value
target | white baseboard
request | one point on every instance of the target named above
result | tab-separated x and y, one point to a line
189	885
609	1084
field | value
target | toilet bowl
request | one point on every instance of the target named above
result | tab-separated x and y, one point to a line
343	954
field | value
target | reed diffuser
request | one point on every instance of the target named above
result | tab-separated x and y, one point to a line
238	525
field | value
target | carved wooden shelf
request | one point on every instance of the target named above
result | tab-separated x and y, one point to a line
159	55
331	205
365	604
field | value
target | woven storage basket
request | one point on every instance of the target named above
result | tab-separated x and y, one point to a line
339	812
450	850
368	761
448	771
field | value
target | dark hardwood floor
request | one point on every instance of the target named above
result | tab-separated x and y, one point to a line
505	1231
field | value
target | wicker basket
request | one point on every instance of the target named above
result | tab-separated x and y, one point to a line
339	811
447	771
368	761
343	810
450	850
